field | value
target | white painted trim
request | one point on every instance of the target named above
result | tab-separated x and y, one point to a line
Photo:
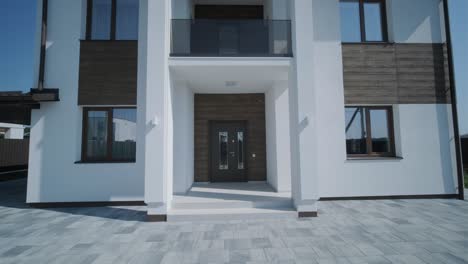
228	61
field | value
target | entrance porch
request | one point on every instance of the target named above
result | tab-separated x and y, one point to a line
231	201
195	141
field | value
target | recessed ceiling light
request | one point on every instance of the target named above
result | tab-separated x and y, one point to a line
231	83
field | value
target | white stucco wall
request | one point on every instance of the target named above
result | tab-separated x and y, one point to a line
154	98
278	137
423	132
423	136
183	109
55	142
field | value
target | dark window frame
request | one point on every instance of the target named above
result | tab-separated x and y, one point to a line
113	25
362	20
391	133
110	136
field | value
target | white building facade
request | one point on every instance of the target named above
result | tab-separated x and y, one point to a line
325	99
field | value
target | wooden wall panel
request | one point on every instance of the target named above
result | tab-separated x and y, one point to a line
423	75
370	74
395	74
108	73
249	107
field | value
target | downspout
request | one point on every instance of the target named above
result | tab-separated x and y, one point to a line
40	84
453	97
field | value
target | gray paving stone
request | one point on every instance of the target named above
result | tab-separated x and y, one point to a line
384	231
404	259
15	251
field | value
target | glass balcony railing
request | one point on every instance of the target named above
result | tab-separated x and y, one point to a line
231	38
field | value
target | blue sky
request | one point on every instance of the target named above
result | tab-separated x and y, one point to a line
17	18
459	20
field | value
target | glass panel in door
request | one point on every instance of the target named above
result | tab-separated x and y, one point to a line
240	150
223	151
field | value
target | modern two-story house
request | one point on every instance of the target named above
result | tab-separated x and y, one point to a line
319	99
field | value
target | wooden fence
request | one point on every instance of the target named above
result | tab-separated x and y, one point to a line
14	152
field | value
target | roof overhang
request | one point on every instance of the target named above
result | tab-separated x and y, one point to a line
31	99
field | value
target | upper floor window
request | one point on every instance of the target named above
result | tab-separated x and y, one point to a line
112	20
363	21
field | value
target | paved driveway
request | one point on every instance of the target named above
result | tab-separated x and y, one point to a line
396	231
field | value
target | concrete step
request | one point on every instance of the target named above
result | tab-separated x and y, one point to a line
273	203
190	215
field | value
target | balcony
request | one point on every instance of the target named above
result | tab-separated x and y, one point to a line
231	38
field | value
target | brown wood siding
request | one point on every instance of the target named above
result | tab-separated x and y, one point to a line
14	152
395	74
239	107
108	73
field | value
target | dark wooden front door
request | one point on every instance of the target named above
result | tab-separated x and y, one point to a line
228	151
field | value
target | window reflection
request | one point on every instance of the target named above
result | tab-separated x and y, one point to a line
369	131
373	21
350	21
223	151
356	130
124	134
101	19
240	150
97	135
127	20
379	128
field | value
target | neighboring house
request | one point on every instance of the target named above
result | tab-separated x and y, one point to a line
14	146
306	95
13	131
14	136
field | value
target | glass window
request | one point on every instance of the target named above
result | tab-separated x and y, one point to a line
363	20
223	151
113	19
101	19
373	21
109	134
124	134
96	138
380	131
356	132
127	20
369	131
240	150
350	21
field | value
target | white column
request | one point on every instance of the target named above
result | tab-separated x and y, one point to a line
304	178
154	142
277	137
319	148
184	135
